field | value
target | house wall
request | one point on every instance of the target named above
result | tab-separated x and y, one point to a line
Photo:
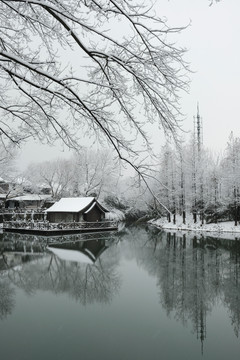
95	214
61	217
12	204
30	204
26	204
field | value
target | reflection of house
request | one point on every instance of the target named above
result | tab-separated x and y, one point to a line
30	201
76	209
80	251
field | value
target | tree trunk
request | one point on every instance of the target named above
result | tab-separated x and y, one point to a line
194	216
169	217
184	217
174	216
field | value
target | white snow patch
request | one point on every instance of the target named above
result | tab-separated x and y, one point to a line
71	204
31	197
220	227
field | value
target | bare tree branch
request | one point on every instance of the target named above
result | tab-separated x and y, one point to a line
65	71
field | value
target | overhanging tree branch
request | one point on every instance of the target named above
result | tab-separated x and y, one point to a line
117	73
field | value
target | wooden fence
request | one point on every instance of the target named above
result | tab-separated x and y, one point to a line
46	225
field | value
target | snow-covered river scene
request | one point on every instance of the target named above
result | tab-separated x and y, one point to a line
119	180
141	293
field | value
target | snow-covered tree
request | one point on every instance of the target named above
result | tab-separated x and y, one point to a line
95	172
182	175
67	69
10	183
7	160
56	175
214	205
231	176
86	173
167	186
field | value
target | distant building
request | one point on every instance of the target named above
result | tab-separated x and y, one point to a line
76	209
30	201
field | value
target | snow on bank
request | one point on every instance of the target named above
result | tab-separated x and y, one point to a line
219	228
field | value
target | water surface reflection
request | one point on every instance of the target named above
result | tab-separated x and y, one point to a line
195	278
194	273
60	265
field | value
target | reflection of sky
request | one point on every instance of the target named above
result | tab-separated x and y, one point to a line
134	323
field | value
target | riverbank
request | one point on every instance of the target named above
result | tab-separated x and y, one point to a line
223	229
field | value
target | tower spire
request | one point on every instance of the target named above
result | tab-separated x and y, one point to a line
198	129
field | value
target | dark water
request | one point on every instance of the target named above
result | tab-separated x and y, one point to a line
141	294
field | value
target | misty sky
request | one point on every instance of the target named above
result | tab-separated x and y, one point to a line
213	52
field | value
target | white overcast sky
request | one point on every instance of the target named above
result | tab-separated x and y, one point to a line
213	43
213	47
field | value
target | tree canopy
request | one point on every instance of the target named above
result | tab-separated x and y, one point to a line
95	67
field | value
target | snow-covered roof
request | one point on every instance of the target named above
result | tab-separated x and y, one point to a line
71	204
89	209
31	197
71	255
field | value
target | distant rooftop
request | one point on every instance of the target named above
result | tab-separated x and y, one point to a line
75	204
31	197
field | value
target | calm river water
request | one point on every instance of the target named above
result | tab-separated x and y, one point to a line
140	294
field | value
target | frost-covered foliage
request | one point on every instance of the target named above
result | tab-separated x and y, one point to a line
69	68
131	200
86	173
7	160
115	215
115	202
193	181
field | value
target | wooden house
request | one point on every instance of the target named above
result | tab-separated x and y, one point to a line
30	201
76	209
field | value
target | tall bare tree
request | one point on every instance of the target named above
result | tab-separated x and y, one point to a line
7	160
95	172
56	175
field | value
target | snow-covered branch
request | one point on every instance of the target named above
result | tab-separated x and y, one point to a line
66	71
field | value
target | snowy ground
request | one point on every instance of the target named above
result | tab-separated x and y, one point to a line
222	229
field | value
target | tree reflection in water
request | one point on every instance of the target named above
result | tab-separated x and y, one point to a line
7	298
38	269
193	274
